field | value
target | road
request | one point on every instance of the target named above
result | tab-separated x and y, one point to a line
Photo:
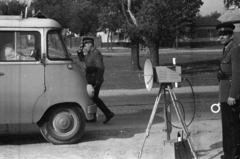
122	137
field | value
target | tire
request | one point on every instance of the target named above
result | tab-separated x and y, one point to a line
63	125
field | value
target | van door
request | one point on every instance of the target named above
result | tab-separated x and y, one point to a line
21	76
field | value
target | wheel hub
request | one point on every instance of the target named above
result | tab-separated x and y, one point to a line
63	122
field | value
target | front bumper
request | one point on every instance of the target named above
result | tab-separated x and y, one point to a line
91	109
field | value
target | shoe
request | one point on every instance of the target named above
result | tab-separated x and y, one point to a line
109	117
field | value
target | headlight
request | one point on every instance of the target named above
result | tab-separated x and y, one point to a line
90	90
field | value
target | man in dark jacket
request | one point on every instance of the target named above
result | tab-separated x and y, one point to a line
229	90
94	70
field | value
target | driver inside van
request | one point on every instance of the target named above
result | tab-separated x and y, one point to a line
11	54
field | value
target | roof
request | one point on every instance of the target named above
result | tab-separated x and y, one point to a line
231	15
19	22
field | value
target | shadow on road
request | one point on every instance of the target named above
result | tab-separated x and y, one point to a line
21	139
121	126
212	147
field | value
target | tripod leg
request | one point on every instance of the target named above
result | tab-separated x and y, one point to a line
167	114
180	117
151	120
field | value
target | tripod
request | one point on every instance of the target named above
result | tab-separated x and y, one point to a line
163	88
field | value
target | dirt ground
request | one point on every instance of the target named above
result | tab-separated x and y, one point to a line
122	137
115	144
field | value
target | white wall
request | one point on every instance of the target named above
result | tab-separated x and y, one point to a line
115	37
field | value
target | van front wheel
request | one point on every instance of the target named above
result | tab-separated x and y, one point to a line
63	125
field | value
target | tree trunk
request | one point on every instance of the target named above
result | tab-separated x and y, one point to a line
108	40
135	55
154	54
111	39
176	42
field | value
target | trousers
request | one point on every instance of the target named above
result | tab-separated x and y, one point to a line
100	104
230	129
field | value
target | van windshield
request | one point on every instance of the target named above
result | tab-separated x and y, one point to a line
55	46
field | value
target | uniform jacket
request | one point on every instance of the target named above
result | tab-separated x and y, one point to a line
230	65
94	67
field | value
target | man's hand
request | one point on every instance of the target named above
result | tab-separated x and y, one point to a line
231	101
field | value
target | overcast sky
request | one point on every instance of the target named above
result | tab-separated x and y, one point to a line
210	6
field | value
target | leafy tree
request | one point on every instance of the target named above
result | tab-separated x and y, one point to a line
112	17
84	19
228	3
80	16
54	9
211	19
164	20
130	28
109	16
12	8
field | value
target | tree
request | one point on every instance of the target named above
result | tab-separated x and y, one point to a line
54	9
109	16
130	28
80	16
163	20
84	17
228	3
112	17
12	8
211	19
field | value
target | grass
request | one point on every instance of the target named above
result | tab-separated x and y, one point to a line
199	68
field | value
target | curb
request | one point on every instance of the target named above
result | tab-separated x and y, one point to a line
161	51
128	92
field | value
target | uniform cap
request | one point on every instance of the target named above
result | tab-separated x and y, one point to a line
88	40
225	27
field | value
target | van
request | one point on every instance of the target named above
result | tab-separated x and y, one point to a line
39	82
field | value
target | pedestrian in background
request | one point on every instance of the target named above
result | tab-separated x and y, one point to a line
229	90
94	70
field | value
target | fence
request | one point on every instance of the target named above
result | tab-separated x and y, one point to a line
73	42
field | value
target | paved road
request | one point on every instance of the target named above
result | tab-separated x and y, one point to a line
120	92
122	136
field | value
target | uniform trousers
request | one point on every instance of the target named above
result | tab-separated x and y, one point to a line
230	129
100	104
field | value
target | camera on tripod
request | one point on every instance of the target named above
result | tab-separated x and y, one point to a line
161	74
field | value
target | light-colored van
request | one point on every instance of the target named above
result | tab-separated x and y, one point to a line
39	82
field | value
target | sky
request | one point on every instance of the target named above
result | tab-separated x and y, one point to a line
210	6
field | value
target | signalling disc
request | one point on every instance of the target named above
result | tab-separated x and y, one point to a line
148	74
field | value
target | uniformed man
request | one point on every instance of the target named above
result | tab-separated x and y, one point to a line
229	90
94	70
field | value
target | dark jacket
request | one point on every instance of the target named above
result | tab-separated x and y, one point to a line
94	67
230	66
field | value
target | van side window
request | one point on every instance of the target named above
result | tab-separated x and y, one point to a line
56	48
20	46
